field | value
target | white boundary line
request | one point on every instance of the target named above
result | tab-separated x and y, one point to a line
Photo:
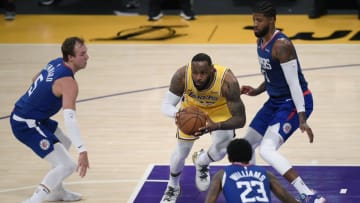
140	183
144	178
72	183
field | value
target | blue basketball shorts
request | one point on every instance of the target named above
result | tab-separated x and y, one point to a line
37	135
281	111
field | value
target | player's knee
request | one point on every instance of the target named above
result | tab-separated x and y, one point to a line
263	152
266	152
217	155
253	137
69	167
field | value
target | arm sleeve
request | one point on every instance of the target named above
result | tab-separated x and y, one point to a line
290	70
73	130
169	103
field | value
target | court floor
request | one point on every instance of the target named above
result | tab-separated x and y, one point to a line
127	136
336	183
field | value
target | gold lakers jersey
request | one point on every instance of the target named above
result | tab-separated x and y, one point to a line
209	100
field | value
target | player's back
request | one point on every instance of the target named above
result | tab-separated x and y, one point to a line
246	184
39	102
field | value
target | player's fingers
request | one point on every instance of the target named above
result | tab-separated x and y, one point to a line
82	171
310	134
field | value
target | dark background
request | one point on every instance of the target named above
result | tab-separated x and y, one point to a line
201	7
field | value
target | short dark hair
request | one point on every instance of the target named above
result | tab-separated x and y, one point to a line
266	8
239	150
202	57
67	47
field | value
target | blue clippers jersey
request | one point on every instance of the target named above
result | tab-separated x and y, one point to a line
39	102
276	85
246	184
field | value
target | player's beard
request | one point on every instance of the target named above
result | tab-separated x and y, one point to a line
202	85
263	32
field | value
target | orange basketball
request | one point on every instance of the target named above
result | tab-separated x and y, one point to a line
190	120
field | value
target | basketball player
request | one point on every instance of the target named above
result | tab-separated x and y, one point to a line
242	182
53	88
215	90
290	101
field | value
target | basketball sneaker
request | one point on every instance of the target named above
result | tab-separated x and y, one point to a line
187	15
155	17
315	198
202	176
63	195
27	201
171	194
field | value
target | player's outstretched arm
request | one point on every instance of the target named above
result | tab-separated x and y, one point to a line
250	91
279	191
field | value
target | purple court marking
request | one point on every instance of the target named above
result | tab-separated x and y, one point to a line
328	180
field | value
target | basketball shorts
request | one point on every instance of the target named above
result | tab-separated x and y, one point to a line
281	111
37	135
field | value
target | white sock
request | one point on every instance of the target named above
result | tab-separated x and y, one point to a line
301	187
40	194
174	181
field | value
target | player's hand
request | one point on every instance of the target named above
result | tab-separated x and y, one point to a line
304	127
83	164
177	115
248	90
210	126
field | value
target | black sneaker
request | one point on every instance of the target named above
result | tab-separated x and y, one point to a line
132	4
9	15
47	2
10	10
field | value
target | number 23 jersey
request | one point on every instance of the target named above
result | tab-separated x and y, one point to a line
244	184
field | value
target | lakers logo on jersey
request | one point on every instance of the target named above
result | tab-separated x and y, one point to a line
204	99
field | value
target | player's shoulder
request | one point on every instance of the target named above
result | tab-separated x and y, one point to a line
180	72
282	46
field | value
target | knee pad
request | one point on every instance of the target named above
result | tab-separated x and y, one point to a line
268	151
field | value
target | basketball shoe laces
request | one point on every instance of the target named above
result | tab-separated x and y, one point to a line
203	172
170	193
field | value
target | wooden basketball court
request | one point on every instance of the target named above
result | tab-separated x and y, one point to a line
122	88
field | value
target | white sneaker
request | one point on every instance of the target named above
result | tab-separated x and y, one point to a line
27	201
187	16
155	18
202	176
171	194
63	195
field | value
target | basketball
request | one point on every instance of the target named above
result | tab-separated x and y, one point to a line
190	120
